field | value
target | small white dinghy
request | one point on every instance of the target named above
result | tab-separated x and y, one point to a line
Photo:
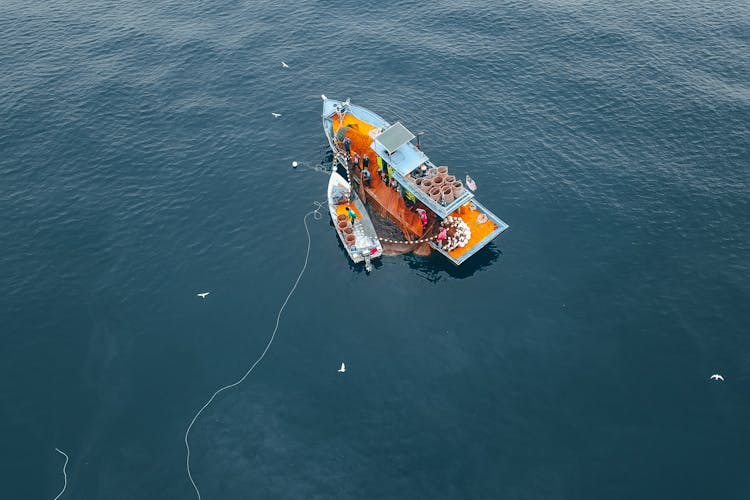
358	236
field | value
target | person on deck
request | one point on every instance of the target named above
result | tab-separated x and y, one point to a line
410	198
355	160
441	236
382	171
366	176
348	147
341	134
352	214
389	175
422	217
365	162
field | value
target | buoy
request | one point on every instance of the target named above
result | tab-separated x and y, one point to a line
294	164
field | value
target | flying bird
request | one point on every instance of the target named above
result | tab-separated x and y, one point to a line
343	368
470	183
202	295
716	376
284	65
276	115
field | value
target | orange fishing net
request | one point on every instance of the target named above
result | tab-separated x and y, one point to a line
387	201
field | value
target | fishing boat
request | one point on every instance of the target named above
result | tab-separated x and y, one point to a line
430	206
358	235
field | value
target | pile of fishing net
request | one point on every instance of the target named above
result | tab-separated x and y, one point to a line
458	233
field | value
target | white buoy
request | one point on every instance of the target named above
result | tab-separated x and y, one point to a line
294	164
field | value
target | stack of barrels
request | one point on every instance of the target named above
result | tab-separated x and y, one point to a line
345	226
441	186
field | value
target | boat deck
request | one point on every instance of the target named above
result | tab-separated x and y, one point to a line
363	128
386	197
481	233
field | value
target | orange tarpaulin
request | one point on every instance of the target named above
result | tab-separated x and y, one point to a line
341	210
478	231
384	196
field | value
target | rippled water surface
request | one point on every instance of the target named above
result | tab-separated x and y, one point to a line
140	164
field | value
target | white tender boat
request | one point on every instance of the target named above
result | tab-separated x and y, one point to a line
359	238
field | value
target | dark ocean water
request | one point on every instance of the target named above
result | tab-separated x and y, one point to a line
140	164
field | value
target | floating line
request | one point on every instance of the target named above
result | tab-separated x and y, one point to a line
65	474
317	216
409	242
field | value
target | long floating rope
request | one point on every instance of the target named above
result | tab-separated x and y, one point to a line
65	474
317	216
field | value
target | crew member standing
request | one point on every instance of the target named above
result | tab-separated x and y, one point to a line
422	217
352	214
366	176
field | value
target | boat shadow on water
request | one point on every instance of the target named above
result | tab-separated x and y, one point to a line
435	267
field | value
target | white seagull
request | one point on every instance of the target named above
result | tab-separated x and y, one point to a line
716	376
284	65
202	295
343	368
276	115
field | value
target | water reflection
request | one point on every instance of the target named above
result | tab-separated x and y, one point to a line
436	267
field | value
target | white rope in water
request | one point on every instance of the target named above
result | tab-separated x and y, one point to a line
65	474
317	216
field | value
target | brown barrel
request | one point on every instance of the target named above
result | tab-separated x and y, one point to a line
447	194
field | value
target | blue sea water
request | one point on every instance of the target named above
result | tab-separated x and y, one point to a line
140	164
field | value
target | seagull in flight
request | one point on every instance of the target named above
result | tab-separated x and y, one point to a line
202	295
343	368
716	376
276	115
284	65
